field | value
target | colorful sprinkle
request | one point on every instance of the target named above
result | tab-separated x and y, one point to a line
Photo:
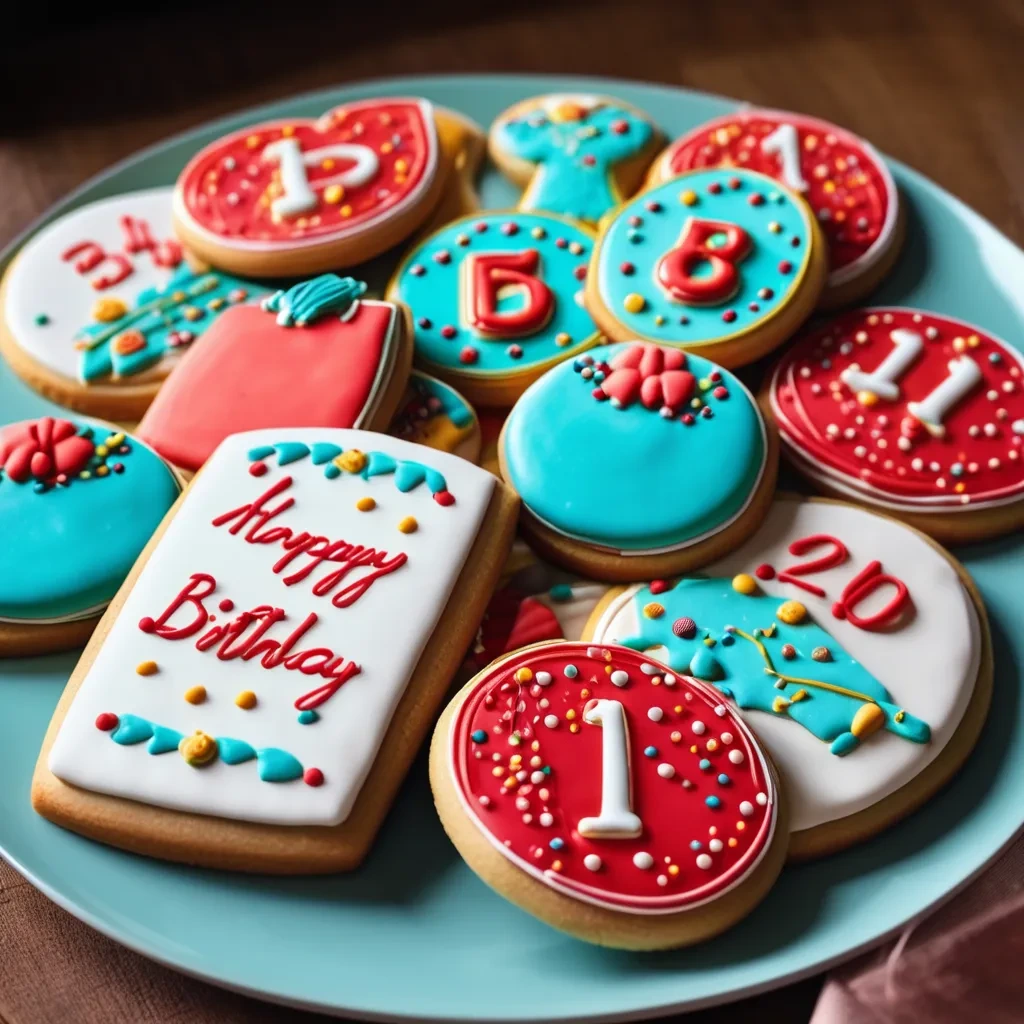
246	700
146	668
408	525
195	694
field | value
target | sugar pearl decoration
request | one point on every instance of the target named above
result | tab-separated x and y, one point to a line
643	860
716	845
698	728
704	862
592	862
746	808
666	771
619	678
546	819
736	756
655	714
551	721
543	678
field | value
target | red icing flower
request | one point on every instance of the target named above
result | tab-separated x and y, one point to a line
43	449
652	373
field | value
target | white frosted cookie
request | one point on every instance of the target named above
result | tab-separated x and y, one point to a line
857	647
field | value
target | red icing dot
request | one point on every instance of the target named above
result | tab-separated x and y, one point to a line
794	241
469	355
147	624
687	419
838	610
754	307
106	721
600	394
620	127
442	256
707	412
714	188
734	183
720	392
424	323
729	316
226	605
448	331
755	199
580	272
117	467
509	228
561	243
659	586
257	469
444	498
515	351
589	160
417	270
653	205
313	777
627	268
480	227
764	572
714	376
785	266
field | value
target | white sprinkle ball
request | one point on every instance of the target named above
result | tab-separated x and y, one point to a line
746	808
666	771
655	714
551	721
698	728
592	862
704	862
643	860
736	756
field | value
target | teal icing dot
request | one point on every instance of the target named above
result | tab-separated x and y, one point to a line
713	802
696	844
478	736
704	765
556	844
571	671
308	717
331	471
560	592
723	779
650	752
278	765
41	319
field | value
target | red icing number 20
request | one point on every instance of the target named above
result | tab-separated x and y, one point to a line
717	244
865	583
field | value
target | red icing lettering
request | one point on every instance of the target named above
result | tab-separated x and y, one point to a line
137	238
90	255
675	270
200	585
801	546
866	582
323	693
315	548
488	274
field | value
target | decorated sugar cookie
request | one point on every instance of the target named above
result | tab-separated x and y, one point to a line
636	460
438	416
263	681
727	263
315	355
304	196
100	305
859	648
614	799
911	412
497	298
78	502
576	155
844	180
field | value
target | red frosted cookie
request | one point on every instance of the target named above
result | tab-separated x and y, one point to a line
316	355
914	413
841	176
614	799
303	196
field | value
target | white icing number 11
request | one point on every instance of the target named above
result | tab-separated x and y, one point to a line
616	819
964	374
297	196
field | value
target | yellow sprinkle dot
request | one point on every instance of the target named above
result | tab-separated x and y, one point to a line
712	746
688	197
744	584
973	341
556	865
538	232
656	680
516	759
653	610
327	164
252	141
514	740
497	771
634	303
584	693
535	745
693	749
108	309
696	403
352	461
659	320
333	194
733	841
676	737
366	504
607	670
408	525
85	475
195	694
713	831
345	211
774	227
511	781
959	344
523	675
867	398
574	727
198	749
146	668
673	869
562	339
570	714
791	612
678	709
246	700
288	130
102	470
740	826
401	166
960	488
386	147
114	440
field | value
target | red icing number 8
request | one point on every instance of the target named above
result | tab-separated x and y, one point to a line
675	270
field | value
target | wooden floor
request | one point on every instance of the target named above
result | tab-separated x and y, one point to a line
938	84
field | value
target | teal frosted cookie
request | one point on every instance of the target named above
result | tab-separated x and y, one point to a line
725	262
574	154
78	502
637	458
497	298
436	415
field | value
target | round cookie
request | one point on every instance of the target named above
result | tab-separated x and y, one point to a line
304	196
637	460
496	299
611	798
842	177
576	155
99	306
79	500
917	414
437	416
727	263
315	355
858	647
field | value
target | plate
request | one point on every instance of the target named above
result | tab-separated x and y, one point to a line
414	934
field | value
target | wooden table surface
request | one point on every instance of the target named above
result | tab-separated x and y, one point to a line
938	84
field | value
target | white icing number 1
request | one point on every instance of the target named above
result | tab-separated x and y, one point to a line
785	143
964	374
616	819
298	197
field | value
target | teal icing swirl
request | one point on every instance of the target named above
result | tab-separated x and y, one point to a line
309	300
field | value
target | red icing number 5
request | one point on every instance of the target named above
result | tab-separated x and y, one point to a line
715	243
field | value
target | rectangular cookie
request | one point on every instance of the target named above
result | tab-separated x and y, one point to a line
260	684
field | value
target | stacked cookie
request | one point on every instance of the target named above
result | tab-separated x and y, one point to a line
677	678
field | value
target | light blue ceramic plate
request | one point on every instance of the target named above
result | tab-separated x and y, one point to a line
414	934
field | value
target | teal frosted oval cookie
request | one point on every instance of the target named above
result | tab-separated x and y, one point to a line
497	298
635	450
725	262
78	503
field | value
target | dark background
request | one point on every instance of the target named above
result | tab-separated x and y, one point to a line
938	84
